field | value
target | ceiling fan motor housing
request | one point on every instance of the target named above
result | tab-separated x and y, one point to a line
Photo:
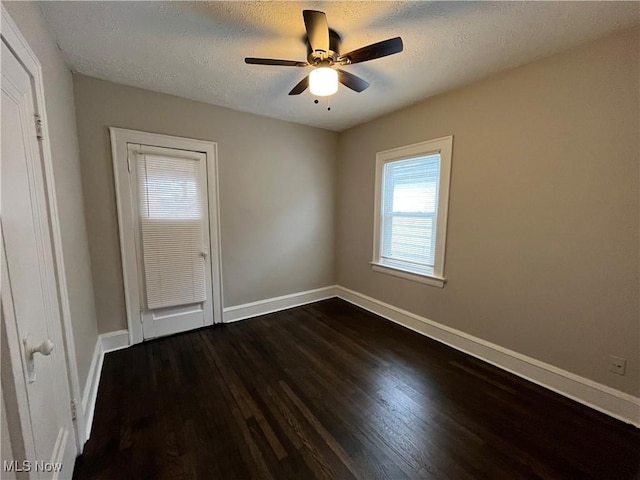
319	57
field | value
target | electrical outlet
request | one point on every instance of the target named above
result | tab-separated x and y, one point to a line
617	364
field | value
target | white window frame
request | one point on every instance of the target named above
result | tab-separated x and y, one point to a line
443	146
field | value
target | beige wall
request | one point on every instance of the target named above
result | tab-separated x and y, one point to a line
542	253
276	192
61	124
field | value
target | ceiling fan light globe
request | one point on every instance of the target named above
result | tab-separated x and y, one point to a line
323	81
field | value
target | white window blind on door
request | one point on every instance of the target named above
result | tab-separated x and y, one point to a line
172	205
409	213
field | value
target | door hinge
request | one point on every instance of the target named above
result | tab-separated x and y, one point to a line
39	130
141	317
129	163
74	410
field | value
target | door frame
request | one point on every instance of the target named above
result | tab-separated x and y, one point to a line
120	139
11	34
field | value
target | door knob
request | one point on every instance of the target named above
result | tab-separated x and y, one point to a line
204	254
45	348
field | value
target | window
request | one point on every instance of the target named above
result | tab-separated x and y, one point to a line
412	194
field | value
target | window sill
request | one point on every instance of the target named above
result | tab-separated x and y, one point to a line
415	277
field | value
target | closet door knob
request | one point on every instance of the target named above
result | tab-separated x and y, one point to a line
45	348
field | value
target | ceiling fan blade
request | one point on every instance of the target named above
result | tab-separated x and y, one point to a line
300	87
317	29
272	61
373	51
350	80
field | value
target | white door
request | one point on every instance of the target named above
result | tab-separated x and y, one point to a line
169	192
30	306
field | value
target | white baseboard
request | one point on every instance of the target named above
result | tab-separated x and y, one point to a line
91	388
600	397
270	305
113	341
107	342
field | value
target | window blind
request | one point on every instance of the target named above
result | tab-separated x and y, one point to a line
172	193
409	213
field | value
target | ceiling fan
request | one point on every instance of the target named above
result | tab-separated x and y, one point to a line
323	54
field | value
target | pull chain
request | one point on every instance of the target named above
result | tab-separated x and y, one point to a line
316	101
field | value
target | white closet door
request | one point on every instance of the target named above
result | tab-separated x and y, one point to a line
30	308
172	239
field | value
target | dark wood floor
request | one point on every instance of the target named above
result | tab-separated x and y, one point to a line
331	391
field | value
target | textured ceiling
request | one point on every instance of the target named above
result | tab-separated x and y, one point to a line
196	49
